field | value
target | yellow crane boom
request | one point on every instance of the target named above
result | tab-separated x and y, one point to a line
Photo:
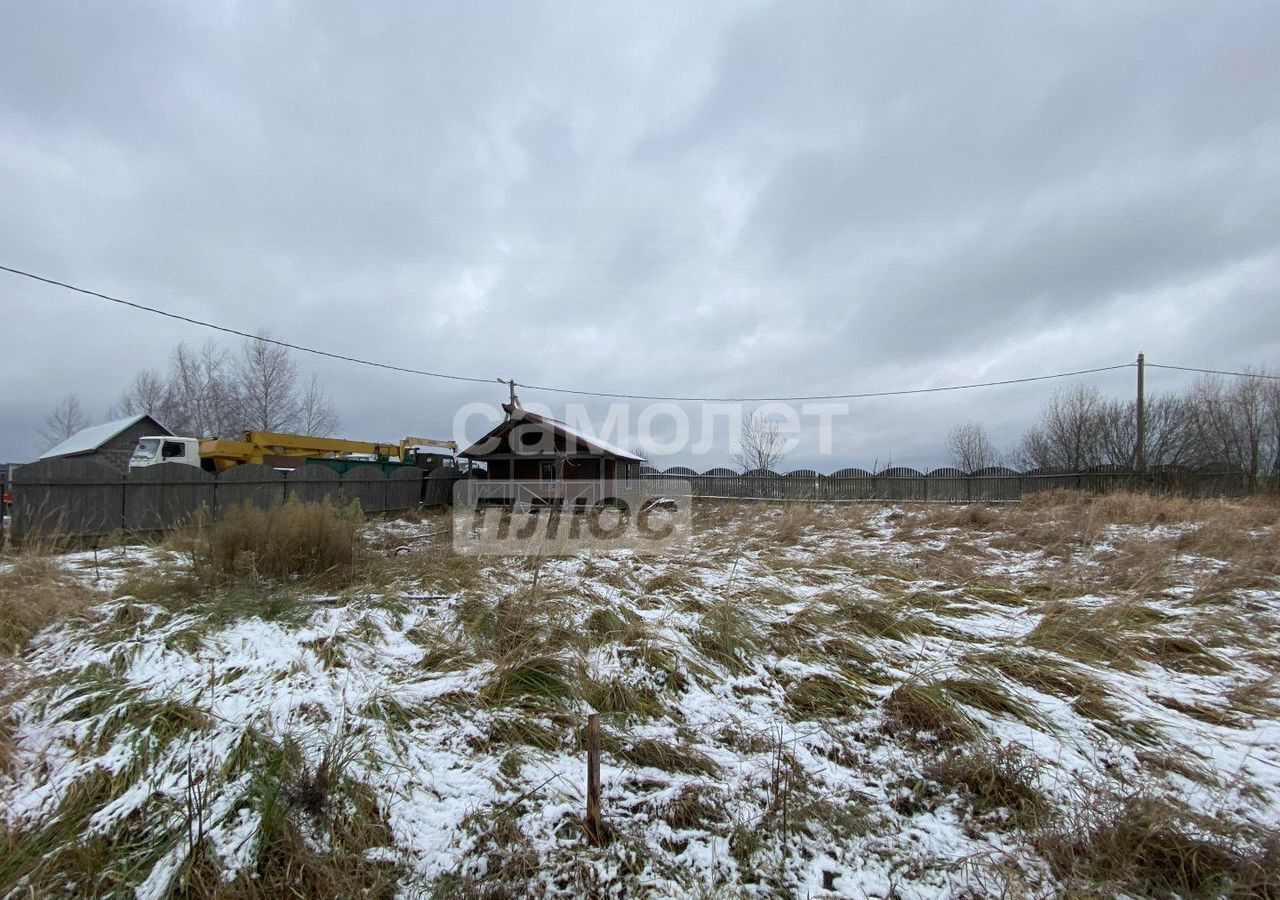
259	445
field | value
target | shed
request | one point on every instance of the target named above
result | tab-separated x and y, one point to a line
532	447
110	443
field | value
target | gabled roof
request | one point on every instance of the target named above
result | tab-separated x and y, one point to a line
517	415
86	440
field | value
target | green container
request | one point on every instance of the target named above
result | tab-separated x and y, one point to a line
342	466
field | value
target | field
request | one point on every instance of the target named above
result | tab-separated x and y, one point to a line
1070	696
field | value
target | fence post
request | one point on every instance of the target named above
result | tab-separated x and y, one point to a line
594	832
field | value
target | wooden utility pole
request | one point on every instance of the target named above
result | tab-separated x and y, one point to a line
511	388
594	832
1140	450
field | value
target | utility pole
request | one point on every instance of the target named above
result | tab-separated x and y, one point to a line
1140	450
511	387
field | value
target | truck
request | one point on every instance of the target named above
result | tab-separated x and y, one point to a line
289	451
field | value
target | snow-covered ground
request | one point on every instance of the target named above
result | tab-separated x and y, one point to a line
872	702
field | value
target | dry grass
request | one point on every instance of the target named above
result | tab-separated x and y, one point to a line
871	614
1092	635
1040	672
796	520
922	711
316	541
695	806
36	591
995	780
729	635
826	696
655	753
303	805
1146	846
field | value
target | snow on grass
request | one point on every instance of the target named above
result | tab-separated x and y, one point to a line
875	705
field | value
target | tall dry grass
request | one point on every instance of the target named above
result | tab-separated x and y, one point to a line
296	540
36	590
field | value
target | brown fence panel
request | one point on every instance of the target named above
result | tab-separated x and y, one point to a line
437	490
901	484
249	485
852	484
161	497
802	484
313	484
66	496
404	489
367	484
996	484
947	486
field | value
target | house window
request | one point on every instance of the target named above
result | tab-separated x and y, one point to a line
548	471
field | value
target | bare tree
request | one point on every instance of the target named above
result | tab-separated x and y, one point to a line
148	393
205	394
208	393
268	387
1232	423
970	447
761	443
1273	407
316	414
1168	426
67	418
1069	433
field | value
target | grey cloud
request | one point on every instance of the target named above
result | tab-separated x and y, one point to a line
722	199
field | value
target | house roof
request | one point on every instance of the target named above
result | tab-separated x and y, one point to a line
516	415
86	440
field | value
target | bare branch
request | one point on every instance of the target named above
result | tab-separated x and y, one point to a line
970	447
67	418
761	443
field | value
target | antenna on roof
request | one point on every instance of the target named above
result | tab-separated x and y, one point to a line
511	385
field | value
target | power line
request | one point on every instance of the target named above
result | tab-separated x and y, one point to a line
557	390
857	396
1214	371
243	334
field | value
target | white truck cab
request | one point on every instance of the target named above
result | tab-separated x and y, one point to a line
152	451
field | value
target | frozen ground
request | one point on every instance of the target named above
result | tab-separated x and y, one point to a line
869	702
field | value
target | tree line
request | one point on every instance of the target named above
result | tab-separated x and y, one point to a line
1227	423
210	391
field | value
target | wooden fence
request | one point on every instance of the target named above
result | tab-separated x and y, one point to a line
993	485
83	498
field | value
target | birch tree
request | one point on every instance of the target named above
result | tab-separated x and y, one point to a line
67	418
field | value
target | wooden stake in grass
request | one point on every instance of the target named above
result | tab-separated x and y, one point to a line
594	832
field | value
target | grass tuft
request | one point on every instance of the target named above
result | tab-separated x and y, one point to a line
824	696
532	678
36	591
995	780
293	540
728	635
1141	845
923	711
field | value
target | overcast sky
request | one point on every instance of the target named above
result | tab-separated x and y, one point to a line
696	199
